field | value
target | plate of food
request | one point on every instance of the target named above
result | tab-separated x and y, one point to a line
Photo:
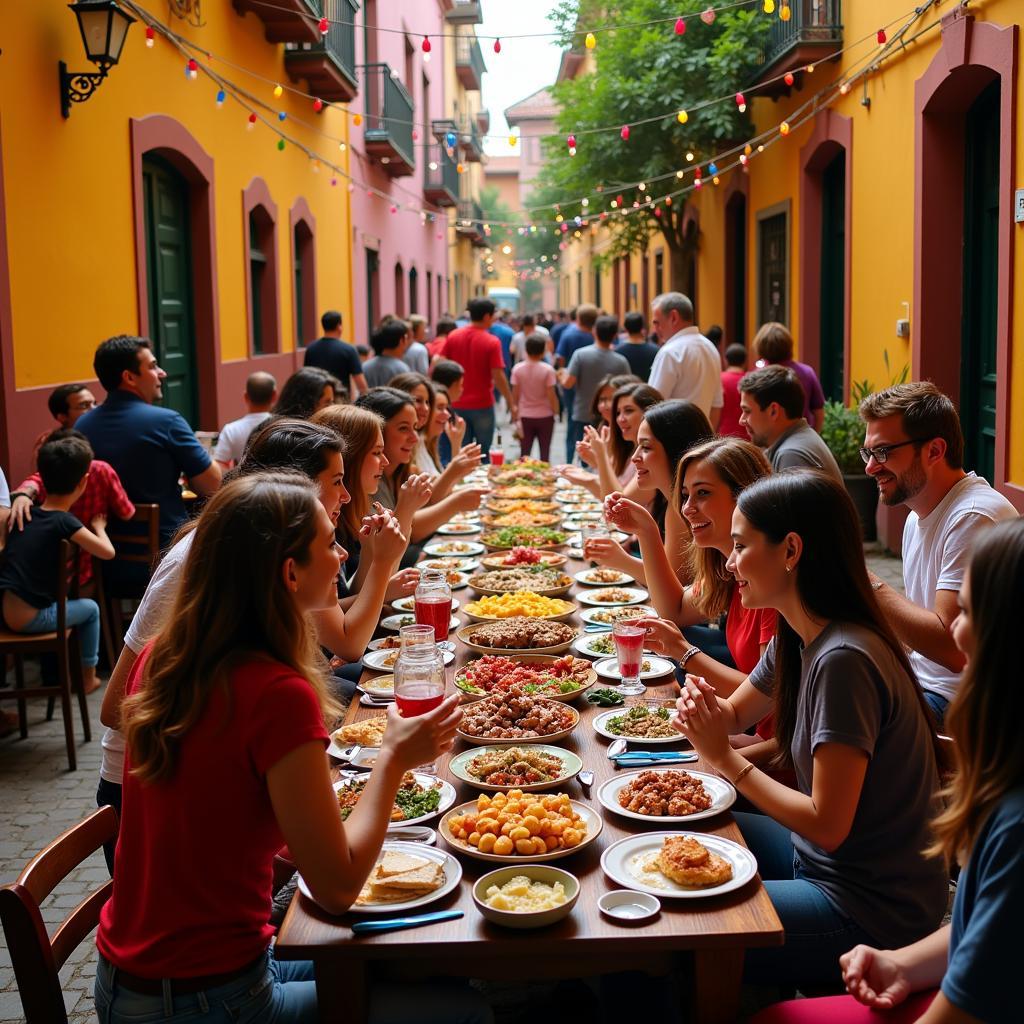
603	597
465	517
454	547
639	724
406	876
587	504
500	519
518	634
679	865
381	687
514	716
408	604
603	577
420	797
522	556
396	622
574	520
501	505
523	603
454	528
355	755
609	616
560	678
472	828
666	794
384	661
450	564
651	667
539	491
575	543
570	494
527	768
540	579
367	732
597	645
508	537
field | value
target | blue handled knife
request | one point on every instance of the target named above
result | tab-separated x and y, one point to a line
396	923
656	755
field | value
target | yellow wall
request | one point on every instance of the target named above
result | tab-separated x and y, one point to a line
68	184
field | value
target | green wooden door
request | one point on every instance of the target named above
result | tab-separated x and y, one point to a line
169	273
833	276
981	283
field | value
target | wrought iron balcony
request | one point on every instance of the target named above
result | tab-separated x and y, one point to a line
472	142
440	177
329	64
464	12
441	129
286	21
813	33
389	112
470	222
469	61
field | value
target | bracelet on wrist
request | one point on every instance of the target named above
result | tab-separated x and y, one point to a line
21	494
688	654
744	772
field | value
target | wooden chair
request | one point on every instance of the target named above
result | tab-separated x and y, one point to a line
63	643
131	548
35	956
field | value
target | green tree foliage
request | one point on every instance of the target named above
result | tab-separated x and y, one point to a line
641	72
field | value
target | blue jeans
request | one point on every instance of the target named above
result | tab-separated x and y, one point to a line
938	705
573	433
817	930
81	612
283	992
479	426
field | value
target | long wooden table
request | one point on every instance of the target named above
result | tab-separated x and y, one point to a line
705	937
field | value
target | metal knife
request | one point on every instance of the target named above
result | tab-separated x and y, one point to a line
395	923
656	755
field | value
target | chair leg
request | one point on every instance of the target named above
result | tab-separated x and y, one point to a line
64	683
19	684
79	683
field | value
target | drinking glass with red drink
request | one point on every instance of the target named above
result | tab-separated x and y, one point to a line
497	453
629	648
419	675
433	602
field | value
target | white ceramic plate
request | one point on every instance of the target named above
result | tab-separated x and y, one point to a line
365	757
600	727
378	660
609	668
623	863
569	494
459	528
621	580
396	622
574	520
378	644
465	517
454	548
590	615
582	645
450	564
452	876
593	821
379	686
447	796
408	604
635	596
723	796
459	764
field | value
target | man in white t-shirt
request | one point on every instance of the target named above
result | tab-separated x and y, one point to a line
260	395
914	448
687	364
528	325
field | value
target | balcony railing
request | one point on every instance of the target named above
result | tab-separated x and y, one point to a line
814	32
470	221
472	142
469	61
465	12
440	177
286	21
389	114
329	64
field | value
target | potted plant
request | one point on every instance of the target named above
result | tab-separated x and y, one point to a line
843	432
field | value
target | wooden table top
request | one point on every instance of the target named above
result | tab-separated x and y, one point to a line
744	918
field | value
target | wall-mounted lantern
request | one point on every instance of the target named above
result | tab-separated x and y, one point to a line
104	27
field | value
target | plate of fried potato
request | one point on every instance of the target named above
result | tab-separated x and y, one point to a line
560	825
518	603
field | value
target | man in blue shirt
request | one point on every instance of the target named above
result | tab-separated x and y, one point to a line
574	337
149	447
504	334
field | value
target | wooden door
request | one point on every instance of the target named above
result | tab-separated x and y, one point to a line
981	283
833	277
169	278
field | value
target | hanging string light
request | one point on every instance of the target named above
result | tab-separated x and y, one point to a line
708	16
785	13
221	97
789	78
591	41
280	145
881	37
682	117
784	128
624	133
425	47
150	36
191	69
769	6
497	46
252	122
741	102
278	92
318	105
324	25
680	26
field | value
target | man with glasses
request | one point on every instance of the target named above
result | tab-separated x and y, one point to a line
913	448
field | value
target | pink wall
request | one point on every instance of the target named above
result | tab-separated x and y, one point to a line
402	237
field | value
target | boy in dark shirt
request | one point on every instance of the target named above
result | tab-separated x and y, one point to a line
28	568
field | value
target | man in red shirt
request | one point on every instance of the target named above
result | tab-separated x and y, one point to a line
479	353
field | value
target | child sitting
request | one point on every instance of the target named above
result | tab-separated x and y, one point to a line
28	578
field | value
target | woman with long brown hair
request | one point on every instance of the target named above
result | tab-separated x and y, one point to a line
981	827
226	727
841	853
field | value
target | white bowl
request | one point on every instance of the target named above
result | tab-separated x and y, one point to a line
627	905
536	873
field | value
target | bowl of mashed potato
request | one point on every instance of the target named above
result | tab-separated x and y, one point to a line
526	895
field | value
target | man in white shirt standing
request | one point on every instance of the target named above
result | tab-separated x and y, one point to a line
687	364
914	449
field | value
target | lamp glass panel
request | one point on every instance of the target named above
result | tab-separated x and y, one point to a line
118	33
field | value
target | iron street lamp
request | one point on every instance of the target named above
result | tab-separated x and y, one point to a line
104	27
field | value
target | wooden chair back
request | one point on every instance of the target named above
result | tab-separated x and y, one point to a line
139	547
35	955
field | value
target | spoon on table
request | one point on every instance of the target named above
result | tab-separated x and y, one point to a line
586	779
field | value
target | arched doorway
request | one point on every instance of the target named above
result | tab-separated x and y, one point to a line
399	291
832	286
736	269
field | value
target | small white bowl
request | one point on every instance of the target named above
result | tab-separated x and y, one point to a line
536	873
628	906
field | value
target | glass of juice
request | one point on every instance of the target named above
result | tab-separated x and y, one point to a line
629	648
433	602
419	675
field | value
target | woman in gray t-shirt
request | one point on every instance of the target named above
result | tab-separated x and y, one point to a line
842	854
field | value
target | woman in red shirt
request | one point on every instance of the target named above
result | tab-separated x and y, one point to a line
225	734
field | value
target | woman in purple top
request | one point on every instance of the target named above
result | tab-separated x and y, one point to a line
774	344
